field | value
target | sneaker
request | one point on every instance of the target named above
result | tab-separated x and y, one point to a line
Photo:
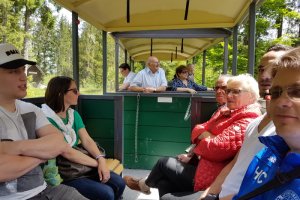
133	184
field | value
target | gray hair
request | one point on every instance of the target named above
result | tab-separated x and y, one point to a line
248	82
224	76
190	65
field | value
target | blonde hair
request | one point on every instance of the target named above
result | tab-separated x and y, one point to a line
190	66
248	82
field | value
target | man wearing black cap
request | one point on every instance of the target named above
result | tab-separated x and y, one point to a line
27	139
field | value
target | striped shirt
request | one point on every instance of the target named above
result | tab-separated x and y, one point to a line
145	78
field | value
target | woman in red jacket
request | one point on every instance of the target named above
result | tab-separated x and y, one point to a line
218	140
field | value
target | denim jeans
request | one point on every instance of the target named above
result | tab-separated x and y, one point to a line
93	189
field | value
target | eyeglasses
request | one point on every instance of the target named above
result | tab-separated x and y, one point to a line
184	72
234	92
222	88
74	90
292	92
155	63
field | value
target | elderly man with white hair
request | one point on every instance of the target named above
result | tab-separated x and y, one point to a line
151	79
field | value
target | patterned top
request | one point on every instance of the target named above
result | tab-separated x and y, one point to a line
177	83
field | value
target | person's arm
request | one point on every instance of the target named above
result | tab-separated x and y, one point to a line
136	88
186	90
136	84
216	186
14	166
78	157
49	144
197	87
124	86
226	144
90	145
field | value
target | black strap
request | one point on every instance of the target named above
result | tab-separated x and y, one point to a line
279	179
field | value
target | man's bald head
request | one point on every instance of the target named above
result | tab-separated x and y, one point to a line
152	63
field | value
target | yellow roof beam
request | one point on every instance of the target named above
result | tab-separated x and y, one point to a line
163	43
80	2
185	54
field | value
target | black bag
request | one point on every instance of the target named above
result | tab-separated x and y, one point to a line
69	170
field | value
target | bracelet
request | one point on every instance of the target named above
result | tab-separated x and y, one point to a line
99	156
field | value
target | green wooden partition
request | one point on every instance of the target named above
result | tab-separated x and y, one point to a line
162	130
102	116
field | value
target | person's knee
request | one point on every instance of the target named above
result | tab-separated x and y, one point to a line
109	194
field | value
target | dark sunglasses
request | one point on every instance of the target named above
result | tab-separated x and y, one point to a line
292	92
74	90
222	88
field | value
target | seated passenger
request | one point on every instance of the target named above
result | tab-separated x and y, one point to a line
226	127
128	74
181	83
230	178
27	139
61	93
151	79
191	71
281	153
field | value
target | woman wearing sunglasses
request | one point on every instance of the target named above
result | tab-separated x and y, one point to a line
218	140
61	93
181	83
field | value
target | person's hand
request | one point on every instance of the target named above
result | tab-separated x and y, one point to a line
103	171
210	89
192	91
148	90
206	134
183	158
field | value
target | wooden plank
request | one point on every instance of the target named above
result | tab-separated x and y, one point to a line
103	128
165	119
171	134
151	104
103	109
155	148
144	161
107	144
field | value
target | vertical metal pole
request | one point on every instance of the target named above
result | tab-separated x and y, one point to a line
235	50
194	60
125	56
104	43
225	64
130	61
133	66
203	68
75	48
251	44
187	62
117	48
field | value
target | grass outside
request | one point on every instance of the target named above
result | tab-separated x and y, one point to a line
37	92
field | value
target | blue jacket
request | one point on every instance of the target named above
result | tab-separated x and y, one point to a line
264	167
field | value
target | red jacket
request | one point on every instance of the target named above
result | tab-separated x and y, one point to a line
216	153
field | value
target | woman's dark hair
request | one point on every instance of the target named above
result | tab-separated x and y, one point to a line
125	66
56	90
179	70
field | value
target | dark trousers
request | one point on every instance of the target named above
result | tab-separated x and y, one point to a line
170	175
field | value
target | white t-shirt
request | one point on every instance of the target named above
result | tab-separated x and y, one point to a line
17	126
249	149
129	78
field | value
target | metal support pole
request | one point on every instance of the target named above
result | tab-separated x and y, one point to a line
104	43
75	49
117	48
203	68
251	44
133	66
194	60
130	61
125	56
235	50
225	64
187	62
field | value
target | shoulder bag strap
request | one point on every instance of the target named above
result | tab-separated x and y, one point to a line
279	179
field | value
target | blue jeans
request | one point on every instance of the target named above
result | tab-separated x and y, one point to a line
94	189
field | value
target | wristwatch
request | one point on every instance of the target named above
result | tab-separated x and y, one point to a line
154	90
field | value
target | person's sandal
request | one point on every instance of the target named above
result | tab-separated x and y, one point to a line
133	184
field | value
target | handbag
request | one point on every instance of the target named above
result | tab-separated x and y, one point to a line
69	170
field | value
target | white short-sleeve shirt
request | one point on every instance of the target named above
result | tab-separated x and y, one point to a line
129	78
145	78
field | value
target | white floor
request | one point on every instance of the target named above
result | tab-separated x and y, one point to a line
132	194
